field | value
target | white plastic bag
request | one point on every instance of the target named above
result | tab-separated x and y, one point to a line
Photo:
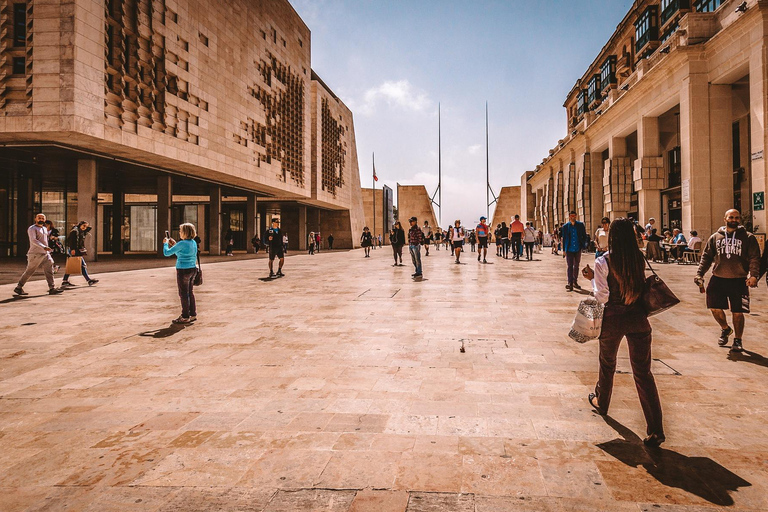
588	321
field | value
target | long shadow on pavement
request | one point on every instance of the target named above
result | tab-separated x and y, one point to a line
701	476
749	357
166	332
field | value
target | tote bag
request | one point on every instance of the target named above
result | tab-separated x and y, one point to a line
74	265
588	321
657	297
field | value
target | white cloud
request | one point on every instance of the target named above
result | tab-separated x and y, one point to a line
474	149
400	94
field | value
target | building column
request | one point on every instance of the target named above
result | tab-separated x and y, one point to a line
118	207
25	214
596	193
302	228
164	203
250	222
695	154
721	157
617	179
649	175
87	199
214	225
758	88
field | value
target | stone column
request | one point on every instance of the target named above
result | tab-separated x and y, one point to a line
164	203
721	158
118	206
250	222
214	225
302	228
87	198
649	176
695	154
758	88
617	179
25	215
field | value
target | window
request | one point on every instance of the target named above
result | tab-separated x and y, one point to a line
608	72
671	29
19	24
19	66
674	178
595	91
583	108
707	5
646	28
669	8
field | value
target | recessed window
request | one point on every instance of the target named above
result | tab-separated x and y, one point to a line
583	104
594	90
171	15
608	71
669	8
19	24
203	38
646	28
707	5
19	66
301	43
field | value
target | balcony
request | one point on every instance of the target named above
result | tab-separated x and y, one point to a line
647	31
670	9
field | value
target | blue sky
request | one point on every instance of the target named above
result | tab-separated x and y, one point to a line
392	62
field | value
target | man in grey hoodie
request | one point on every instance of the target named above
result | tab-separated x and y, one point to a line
736	257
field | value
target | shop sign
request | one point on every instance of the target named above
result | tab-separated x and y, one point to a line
758	201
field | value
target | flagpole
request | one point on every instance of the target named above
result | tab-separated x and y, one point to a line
487	167
373	178
439	167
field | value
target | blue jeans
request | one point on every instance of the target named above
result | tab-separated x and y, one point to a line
83	269
415	251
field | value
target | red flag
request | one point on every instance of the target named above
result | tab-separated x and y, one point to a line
375	178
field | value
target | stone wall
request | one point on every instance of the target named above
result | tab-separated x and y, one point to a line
414	201
507	206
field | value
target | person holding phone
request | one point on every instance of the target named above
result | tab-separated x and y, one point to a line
186	269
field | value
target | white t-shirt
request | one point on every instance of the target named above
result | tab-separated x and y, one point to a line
458	234
602	238
692	242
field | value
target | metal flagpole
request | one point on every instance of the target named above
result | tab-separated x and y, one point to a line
439	191
374	194
488	189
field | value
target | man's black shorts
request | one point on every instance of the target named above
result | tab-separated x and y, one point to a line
721	292
274	253
482	242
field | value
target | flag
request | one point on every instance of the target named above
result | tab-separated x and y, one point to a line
375	178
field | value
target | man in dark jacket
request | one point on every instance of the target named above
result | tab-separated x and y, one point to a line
75	248
415	241
574	237
736	257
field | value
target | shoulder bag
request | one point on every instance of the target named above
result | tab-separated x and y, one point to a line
657	297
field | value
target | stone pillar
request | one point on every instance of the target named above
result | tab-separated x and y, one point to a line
118	207
87	198
250	222
695	154
164	203
214	225
649	176
758	88
721	158
302	228
25	214
617	179
584	187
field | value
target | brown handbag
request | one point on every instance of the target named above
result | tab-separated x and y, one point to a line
657	297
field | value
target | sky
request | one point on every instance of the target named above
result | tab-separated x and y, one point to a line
392	63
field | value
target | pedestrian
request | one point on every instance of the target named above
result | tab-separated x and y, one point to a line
529	240
397	241
415	239
380	240
285	243
311	243
438	238
692	242
186	270
457	238
735	254
330	242
366	240
650	227
76	248
483	231
504	235
497	239
574	237
54	242
601	237
229	238
555	236
618	281
427	232
318	239
38	256
517	230
276	248
256	242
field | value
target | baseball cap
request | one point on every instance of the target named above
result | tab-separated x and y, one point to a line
412	219
483	218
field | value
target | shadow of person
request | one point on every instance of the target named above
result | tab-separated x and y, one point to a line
701	476
166	332
749	357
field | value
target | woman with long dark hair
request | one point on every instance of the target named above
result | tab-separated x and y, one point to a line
618	281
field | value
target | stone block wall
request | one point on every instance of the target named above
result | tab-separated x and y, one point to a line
617	185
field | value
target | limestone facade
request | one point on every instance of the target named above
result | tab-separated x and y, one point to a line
507	206
218	98
414	201
667	122
379	214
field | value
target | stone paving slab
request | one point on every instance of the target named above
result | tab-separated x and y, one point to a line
343	386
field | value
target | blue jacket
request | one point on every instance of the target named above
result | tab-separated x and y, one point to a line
574	236
185	251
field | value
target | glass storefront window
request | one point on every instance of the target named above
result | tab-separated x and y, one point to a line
142	228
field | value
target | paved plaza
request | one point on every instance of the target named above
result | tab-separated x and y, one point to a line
348	386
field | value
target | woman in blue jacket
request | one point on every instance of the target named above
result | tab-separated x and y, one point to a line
186	270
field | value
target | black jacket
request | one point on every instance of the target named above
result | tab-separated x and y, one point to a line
397	237
76	240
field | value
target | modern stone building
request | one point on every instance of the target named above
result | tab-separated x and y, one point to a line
379	214
137	115
668	122
414	201
507	206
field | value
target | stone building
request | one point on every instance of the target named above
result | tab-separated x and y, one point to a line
414	201
137	115
667	122
379	214
507	206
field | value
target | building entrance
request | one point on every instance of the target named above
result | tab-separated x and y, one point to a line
233	220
